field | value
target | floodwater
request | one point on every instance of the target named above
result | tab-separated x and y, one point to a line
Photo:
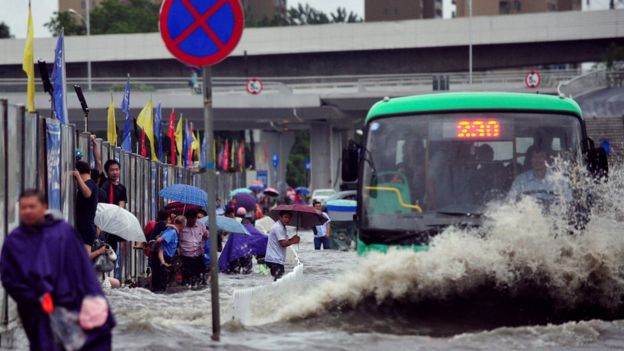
530	283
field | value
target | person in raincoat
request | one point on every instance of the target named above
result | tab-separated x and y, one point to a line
45	269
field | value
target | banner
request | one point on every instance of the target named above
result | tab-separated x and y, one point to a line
53	149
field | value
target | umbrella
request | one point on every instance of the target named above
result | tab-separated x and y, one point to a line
302	190
271	192
116	220
264	224
186	194
247	201
238	246
178	207
227	224
303	216
240	190
256	188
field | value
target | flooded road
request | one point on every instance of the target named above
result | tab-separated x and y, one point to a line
528	283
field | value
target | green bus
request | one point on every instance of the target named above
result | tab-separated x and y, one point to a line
430	161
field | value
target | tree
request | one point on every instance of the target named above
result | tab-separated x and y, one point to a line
613	58
305	14
341	16
71	23
295	166
128	16
5	31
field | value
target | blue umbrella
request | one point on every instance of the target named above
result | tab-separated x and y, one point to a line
185	194
256	188
240	190
302	190
227	224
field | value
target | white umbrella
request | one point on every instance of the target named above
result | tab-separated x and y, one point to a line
264	224
116	220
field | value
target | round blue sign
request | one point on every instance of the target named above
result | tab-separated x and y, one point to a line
201	32
275	159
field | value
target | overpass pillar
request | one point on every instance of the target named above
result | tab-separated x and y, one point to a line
275	143
321	155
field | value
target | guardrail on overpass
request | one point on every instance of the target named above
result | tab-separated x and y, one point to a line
325	85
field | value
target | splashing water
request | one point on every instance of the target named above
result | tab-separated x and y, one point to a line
520	255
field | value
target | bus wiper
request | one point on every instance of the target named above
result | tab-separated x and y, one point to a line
460	213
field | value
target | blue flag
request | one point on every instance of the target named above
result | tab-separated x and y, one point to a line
126	139
158	133
186	144
58	80
204	152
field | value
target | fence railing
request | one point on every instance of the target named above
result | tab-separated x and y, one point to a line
38	152
513	79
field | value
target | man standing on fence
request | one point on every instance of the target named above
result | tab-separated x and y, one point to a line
275	257
192	248
116	195
86	203
45	269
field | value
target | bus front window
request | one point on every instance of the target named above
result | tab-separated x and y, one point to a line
424	167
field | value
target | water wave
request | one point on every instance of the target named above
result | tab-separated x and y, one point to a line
522	261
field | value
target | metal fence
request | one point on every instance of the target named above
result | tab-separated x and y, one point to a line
29	158
504	79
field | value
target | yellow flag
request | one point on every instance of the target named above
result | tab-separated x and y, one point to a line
196	146
111	132
179	135
28	65
145	120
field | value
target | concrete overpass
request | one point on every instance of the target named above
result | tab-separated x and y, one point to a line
436	45
331	105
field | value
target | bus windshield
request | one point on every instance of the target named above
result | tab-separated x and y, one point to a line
421	169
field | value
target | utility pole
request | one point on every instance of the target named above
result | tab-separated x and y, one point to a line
212	211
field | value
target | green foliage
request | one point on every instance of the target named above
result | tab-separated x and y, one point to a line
5	31
295	166
304	15
129	16
71	23
613	58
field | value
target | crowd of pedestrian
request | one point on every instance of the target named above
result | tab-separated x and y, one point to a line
55	272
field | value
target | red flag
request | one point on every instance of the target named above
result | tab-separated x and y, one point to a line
241	156
266	156
143	148
226	156
171	134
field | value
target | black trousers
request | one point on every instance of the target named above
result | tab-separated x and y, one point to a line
160	274
277	270
192	268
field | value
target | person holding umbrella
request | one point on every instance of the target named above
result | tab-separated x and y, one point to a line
275	256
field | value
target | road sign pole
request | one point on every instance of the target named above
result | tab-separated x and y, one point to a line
212	211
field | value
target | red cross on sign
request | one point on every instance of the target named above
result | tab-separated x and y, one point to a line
201	32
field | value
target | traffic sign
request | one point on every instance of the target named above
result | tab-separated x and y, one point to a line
532	79
275	160
306	164
201	33
254	86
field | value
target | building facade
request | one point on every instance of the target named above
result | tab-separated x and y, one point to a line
263	10
510	7
396	10
79	6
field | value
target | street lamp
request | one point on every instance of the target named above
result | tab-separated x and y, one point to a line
88	25
470	41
